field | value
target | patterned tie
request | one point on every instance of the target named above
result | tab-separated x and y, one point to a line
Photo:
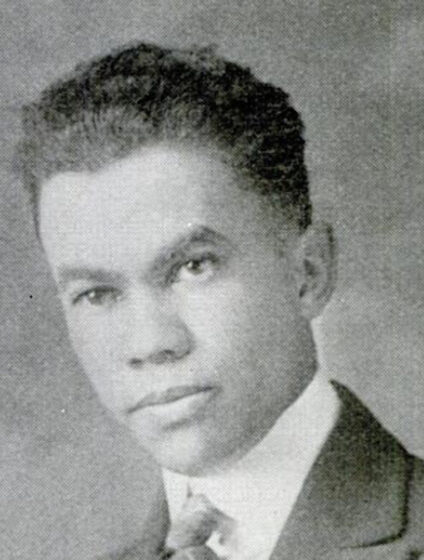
189	533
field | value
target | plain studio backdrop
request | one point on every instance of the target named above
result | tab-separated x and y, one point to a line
73	485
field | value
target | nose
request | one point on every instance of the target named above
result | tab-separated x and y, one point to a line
157	335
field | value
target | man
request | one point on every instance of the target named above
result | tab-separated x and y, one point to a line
171	199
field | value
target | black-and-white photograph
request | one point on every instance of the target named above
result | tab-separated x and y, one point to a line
211	245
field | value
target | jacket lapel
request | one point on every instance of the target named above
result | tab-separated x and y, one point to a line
355	496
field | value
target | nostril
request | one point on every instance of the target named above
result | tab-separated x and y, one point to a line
171	346
161	357
166	356
158	358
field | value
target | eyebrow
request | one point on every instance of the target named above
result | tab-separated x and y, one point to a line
66	275
198	235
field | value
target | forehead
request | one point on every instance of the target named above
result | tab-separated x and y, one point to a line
141	202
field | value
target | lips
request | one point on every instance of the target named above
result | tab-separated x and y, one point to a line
168	396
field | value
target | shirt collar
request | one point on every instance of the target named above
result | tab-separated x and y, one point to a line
268	478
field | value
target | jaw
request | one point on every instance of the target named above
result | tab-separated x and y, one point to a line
191	449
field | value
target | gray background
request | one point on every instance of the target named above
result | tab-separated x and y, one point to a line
72	485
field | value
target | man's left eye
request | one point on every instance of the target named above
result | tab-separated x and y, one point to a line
199	269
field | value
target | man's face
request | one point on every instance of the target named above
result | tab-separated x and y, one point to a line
181	301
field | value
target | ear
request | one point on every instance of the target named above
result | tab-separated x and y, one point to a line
316	268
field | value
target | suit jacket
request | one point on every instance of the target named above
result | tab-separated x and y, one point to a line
362	500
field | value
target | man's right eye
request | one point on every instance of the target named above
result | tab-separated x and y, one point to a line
101	297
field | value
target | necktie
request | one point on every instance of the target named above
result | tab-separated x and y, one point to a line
189	533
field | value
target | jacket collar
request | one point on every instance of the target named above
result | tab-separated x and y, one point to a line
356	493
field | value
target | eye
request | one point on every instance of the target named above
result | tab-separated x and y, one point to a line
197	269
100	297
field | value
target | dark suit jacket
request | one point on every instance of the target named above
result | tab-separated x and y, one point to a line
363	499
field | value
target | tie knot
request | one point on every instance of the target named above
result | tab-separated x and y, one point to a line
196	523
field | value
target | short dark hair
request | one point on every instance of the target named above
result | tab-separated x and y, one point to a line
142	94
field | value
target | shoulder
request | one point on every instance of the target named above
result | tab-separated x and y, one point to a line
386	482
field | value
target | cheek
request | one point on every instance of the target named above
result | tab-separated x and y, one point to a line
89	336
95	345
240	320
249	291
215	314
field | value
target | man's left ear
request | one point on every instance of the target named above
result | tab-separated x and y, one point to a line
316	268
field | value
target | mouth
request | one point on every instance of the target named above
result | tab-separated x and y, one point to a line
169	396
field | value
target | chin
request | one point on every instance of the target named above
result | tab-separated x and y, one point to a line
190	458
189	464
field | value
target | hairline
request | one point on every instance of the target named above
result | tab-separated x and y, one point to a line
45	118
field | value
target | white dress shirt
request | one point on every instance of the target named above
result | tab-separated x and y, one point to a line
259	492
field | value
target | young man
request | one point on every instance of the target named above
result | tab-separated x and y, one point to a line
171	199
